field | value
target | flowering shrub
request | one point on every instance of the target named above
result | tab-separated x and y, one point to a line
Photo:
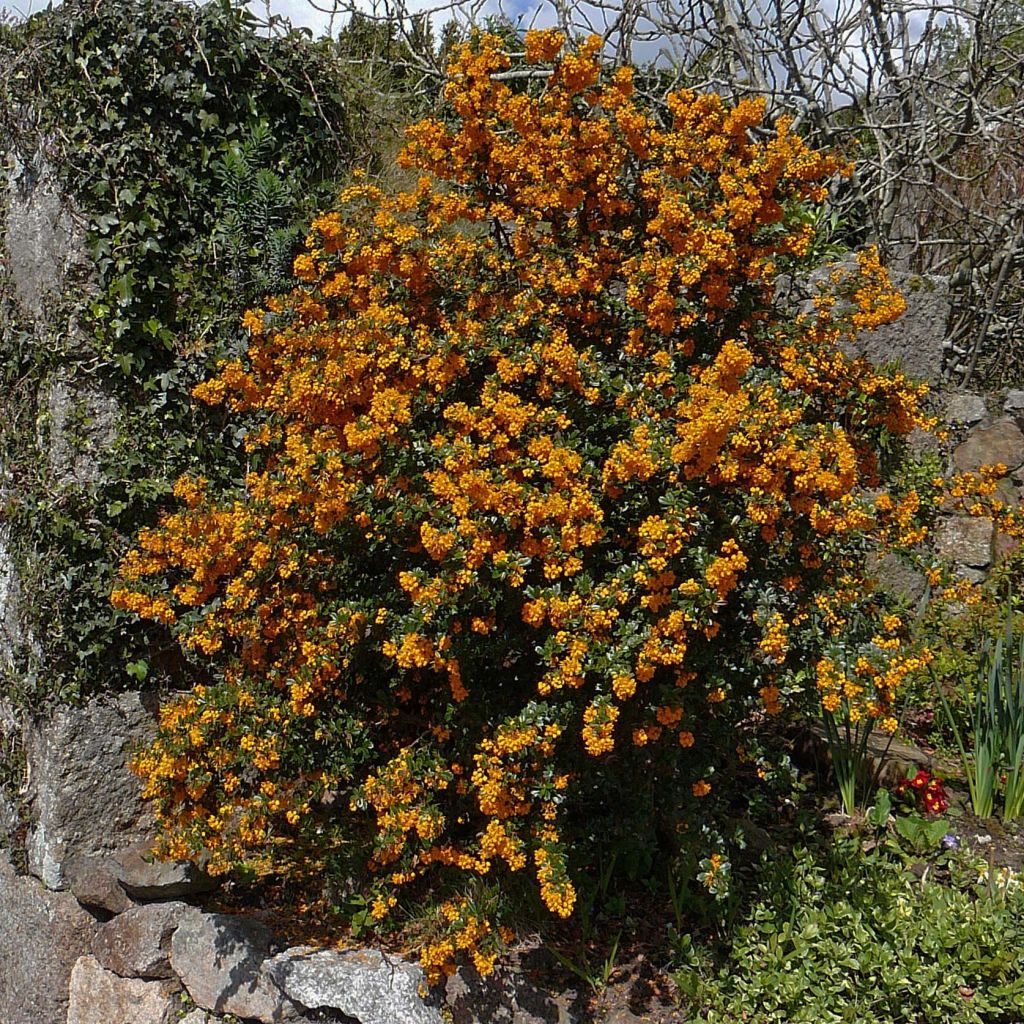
547	493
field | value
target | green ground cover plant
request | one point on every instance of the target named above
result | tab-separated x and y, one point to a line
836	936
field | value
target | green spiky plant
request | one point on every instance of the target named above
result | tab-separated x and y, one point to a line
997	722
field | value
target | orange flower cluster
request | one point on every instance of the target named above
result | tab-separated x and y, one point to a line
538	464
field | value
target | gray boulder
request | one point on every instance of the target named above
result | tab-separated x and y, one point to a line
219	957
10	742
196	1016
1003	545
43	242
10	599
83	799
896	577
79	426
914	341
372	987
42	934
888	758
114	882
98	996
1014	405
1009	492
8	819
144	877
95	882
965	409
965	572
514	993
137	943
965	540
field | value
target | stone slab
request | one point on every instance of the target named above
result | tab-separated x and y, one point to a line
1001	442
137	943
965	408
95	883
80	425
915	341
219	959
371	986
518	991
98	996
11	630
83	800
965	540
145	877
42	240
42	934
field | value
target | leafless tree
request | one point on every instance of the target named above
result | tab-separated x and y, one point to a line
926	96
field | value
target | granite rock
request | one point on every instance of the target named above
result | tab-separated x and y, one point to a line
896	577
144	877
1000	442
965	408
83	799
517	991
10	743
98	996
42	934
137	943
219	959
94	881
366	984
8	818
915	341
80	425
965	540
197	1016
43	241
11	629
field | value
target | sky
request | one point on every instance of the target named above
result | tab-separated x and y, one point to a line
302	13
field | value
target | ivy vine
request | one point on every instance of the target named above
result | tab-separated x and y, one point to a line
194	148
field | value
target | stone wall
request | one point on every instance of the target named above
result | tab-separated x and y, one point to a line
984	429
45	286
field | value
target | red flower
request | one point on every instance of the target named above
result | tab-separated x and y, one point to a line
925	791
935	798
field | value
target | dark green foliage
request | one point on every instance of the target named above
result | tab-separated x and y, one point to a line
140	104
257	228
196	149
